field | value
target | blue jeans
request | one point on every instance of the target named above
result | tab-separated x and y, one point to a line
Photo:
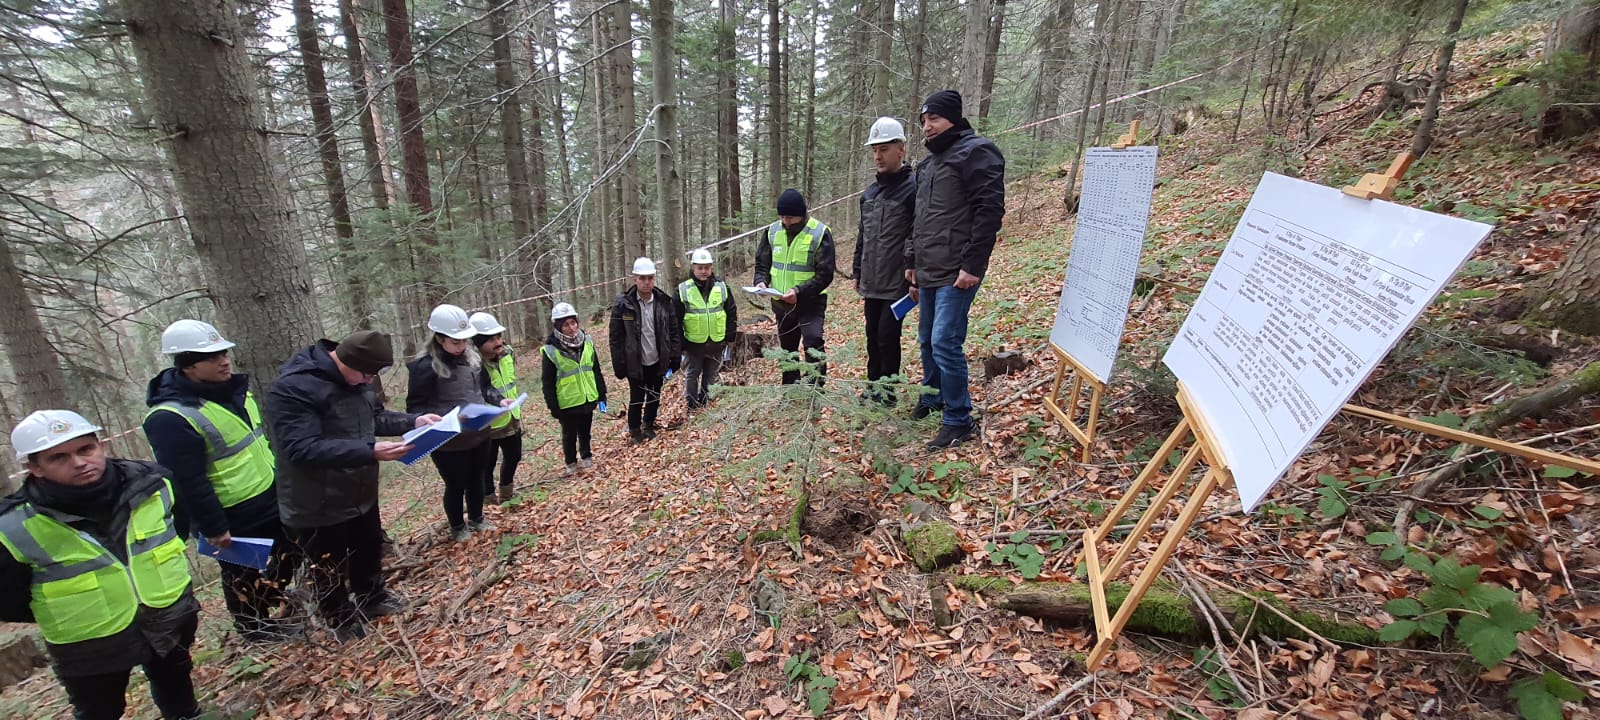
942	334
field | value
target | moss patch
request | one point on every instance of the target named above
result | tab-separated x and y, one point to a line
988	584
933	546
1266	622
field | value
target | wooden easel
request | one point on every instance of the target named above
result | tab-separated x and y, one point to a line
1381	186
1082	380
1067	411
1192	430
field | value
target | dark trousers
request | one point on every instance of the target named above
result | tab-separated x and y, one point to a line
508	450
104	696
342	560
250	594
576	424
883	341
802	326
644	397
462	472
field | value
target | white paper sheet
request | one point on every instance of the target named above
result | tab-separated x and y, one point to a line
1311	293
1105	255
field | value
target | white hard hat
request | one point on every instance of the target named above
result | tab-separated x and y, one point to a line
45	429
192	336
885	130
484	324
451	321
700	257
562	310
644	266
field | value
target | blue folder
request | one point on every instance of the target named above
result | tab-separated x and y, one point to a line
902	307
246	551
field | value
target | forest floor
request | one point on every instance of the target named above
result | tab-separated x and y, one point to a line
638	589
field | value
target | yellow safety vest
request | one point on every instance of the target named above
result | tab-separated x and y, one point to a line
503	376
703	317
575	384
791	258
80	590
239	462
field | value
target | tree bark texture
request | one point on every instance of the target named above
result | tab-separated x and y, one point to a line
669	186
222	166
364	107
40	382
1053	37
730	202
991	57
1573	54
774	101
413	145
1441	75
974	43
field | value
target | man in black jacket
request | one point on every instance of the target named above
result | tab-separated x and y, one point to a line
961	200
325	419
795	257
94	555
887	210
206	430
646	340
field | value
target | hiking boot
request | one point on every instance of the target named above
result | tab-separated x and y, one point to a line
952	435
569	469
650	432
352	630
635	436
507	491
460	534
479	526
382	608
586	463
923	410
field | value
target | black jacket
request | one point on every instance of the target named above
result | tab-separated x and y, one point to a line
627	349
423	395
323	430
547	375
154	631
888	208
809	293
961	200
729	307
180	449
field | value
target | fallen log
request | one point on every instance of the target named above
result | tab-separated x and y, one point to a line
1168	612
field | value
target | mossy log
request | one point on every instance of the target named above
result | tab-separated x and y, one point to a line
1167	612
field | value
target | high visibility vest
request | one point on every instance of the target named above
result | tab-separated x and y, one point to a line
239	463
703	317
503	376
791	257
575	383
80	590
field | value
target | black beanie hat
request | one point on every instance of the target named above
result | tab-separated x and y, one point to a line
367	351
945	104
792	203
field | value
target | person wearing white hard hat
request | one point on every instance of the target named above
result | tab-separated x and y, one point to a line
206	429
646	340
505	433
326	421
94	555
708	317
795	257
449	373
888	208
573	384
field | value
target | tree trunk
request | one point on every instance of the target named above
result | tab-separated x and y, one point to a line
622	91
413	145
1572	54
1441	76
1054	40
365	107
729	202
305	21
33	359
974	43
1101	11
530	259
991	58
810	164
222	165
774	101
1569	297
919	44
664	67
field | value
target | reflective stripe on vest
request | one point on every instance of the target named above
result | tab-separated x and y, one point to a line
703	318
239	463
791	258
575	384
503	376
80	591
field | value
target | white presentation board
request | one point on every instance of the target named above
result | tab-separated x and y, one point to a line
1311	293
1112	215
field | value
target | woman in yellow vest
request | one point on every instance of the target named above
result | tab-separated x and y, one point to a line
505	433
94	556
573	384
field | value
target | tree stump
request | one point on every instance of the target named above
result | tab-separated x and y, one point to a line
20	656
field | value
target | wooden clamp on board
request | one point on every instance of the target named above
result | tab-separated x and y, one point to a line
1129	139
1066	410
1381	186
1191	429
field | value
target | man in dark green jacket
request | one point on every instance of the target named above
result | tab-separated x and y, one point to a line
94	555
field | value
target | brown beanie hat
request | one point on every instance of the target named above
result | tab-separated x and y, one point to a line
367	351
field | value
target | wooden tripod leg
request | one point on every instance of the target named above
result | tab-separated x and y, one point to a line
1152	569
1094	418
1175	482
1140	483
